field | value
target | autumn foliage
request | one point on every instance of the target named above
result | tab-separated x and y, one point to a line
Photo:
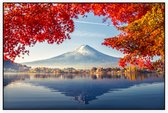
140	40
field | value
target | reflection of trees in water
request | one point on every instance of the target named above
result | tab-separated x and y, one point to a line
130	76
45	76
106	76
59	76
12	78
142	76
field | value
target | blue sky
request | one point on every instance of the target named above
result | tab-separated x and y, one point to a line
89	31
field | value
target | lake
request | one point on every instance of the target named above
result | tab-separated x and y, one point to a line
72	91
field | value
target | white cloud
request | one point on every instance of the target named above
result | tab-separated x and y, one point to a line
87	34
94	23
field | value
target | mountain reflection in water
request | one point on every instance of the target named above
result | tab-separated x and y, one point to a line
83	88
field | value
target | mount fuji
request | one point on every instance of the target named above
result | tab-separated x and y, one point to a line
84	57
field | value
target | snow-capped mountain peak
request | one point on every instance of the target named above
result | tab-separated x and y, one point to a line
84	57
85	50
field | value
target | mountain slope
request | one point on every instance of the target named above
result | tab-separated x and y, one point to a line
11	66
83	57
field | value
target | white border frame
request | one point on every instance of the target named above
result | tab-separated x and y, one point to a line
81	111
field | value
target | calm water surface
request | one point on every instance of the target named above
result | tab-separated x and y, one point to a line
45	91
